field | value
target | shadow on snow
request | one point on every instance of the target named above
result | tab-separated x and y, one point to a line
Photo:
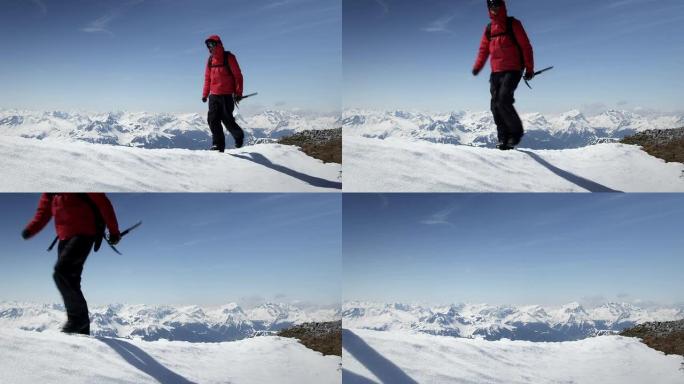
587	184
312	180
144	362
381	367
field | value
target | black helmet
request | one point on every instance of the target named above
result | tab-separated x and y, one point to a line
494	3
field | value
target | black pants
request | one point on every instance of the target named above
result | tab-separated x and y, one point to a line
502	88
72	254
221	110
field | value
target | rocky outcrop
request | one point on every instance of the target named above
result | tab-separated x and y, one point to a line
666	144
323	337
325	145
666	336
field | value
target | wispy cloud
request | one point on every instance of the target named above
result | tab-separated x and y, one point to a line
41	6
440	25
101	24
383	4
441	217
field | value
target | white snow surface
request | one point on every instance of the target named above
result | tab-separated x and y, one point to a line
406	165
52	357
29	165
402	357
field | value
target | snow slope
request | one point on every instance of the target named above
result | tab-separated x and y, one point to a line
52	357
393	165
57	165
397	357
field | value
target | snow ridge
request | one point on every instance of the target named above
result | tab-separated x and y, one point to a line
189	323
154	130
571	129
532	323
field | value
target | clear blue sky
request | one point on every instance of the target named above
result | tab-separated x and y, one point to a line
104	55
547	249
203	249
419	54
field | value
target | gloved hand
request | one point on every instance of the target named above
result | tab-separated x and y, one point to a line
25	234
529	75
237	98
114	238
476	71
204	99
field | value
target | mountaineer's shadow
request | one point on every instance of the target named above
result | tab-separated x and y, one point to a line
377	364
144	362
312	180
587	184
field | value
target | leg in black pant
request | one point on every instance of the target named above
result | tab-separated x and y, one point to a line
72	254
218	141
229	121
508	124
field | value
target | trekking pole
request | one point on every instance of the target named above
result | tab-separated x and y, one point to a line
122	234
538	73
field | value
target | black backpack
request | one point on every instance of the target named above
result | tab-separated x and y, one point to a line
509	32
99	221
225	63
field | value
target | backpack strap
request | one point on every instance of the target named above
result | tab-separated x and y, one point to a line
509	32
225	63
99	221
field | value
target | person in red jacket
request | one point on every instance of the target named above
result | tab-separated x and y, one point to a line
76	223
508	47
223	89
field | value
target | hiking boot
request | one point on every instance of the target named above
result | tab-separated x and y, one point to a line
215	148
239	141
82	327
503	146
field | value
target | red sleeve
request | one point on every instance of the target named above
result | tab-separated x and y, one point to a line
237	74
106	210
482	53
42	216
207	81
525	45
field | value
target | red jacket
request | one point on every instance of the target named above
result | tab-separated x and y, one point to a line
73	215
504	53
217	79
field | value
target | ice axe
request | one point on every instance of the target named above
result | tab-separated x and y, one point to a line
122	234
538	73
236	101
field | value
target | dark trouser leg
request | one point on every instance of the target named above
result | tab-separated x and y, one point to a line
503	102
218	141
229	121
495	81
72	254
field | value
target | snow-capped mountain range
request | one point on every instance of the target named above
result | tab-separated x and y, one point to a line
191	323
154	130
531	323
568	130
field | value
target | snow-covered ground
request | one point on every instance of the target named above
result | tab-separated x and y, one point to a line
52	357
58	165
403	165
398	357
